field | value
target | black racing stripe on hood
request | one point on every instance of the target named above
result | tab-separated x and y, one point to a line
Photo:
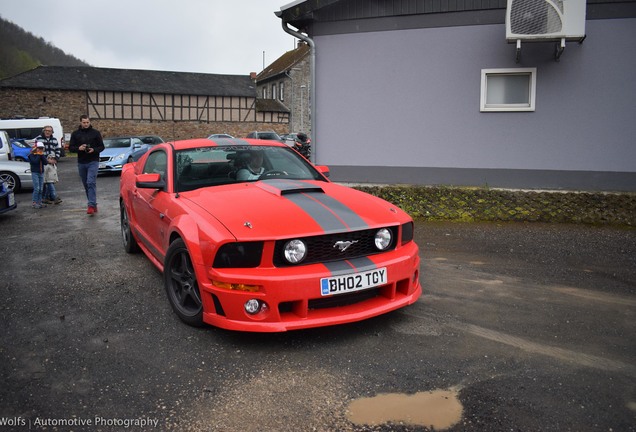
328	221
331	214
350	218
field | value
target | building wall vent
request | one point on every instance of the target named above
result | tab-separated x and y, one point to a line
541	20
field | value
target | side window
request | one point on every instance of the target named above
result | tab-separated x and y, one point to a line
157	162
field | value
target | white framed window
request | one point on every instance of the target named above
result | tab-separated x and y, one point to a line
264	92
281	89
274	91
508	89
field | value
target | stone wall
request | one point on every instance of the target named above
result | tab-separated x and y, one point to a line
69	105
481	204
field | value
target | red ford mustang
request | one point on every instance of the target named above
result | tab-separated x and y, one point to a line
250	236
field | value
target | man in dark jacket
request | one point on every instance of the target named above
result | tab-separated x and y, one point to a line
88	144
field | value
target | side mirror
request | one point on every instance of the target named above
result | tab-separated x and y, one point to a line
150	181
323	169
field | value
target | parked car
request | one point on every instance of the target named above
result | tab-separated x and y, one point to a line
265	135
21	150
117	152
6	150
7	198
148	141
16	174
29	128
221	135
287	250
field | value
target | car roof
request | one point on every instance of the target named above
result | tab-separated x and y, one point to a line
224	142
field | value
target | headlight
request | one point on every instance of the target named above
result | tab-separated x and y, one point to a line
383	239
119	156
295	251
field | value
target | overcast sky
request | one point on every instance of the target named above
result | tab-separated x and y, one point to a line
207	36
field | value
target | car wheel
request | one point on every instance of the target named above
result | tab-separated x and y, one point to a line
130	159
130	244
181	284
11	180
20	159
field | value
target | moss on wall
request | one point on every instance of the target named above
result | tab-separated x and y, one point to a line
481	204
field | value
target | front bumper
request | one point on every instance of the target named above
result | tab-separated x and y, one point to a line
7	201
293	295
111	166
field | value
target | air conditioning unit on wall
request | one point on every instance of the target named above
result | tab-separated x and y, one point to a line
539	20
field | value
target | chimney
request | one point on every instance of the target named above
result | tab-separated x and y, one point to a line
253	76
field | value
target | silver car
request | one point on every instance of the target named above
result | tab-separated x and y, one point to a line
16	174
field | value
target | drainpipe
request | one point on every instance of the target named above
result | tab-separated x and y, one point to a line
312	83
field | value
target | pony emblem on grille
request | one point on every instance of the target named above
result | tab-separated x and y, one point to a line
344	245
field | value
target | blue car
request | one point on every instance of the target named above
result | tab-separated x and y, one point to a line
117	152
7	198
21	150
149	141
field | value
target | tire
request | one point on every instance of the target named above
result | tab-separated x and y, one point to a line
130	159
181	285
11	179
130	244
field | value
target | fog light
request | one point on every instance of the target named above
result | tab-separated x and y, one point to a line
252	306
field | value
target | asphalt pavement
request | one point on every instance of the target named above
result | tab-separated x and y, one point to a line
521	327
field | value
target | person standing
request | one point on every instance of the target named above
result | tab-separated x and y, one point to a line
38	161
51	149
49	196
51	145
87	142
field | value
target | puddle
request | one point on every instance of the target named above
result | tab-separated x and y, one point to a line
439	409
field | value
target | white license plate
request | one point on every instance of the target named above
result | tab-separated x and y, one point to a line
352	282
102	166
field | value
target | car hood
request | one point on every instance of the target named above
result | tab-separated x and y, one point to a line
20	168
114	151
284	208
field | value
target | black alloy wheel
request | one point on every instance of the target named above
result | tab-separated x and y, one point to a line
181	284
130	244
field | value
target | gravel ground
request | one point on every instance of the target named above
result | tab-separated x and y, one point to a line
526	326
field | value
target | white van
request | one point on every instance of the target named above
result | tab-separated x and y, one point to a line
6	151
28	129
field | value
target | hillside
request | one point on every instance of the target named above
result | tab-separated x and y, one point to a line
21	51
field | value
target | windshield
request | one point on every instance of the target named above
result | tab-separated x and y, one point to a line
117	143
210	166
268	136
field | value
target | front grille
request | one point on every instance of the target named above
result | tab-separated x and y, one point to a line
104	158
332	301
344	299
323	248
